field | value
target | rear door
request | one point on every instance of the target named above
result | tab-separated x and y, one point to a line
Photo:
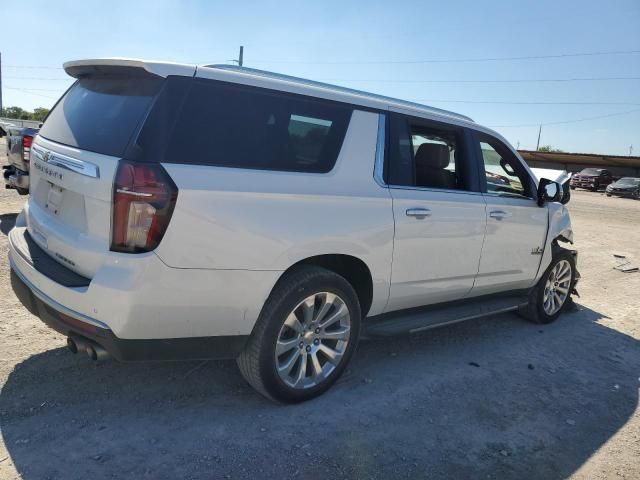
74	159
516	225
439	213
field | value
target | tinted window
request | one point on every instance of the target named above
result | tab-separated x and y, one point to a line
504	172
425	155
101	114
236	126
629	181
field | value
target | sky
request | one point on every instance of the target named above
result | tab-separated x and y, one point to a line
456	55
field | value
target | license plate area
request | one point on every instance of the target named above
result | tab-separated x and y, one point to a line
54	199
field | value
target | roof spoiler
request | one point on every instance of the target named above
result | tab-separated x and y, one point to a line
126	66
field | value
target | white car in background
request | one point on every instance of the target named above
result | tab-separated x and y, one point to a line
182	211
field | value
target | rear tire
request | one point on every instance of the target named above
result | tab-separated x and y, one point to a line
297	349
552	293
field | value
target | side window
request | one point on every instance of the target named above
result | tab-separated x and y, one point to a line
247	127
425	155
504	173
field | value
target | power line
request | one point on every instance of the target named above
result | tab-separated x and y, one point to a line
38	89
567	121
519	80
29	92
452	60
41	78
432	60
34	67
491	102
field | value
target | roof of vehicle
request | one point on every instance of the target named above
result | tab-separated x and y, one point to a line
78	68
357	96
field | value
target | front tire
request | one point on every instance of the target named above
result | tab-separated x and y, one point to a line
305	336
552	293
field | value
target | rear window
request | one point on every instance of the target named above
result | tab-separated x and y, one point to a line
232	125
101	114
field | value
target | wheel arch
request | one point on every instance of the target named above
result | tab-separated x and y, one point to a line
353	269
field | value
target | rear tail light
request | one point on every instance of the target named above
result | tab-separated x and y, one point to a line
27	140
143	200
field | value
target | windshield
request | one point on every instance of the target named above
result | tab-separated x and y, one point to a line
590	171
100	114
629	181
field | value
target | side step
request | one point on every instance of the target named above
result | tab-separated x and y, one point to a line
416	320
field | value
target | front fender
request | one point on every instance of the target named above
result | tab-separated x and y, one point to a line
560	230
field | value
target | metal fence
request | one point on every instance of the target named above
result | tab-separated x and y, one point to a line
20	123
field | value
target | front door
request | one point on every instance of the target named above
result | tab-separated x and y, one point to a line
516	225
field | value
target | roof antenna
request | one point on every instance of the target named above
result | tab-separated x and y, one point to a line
240	57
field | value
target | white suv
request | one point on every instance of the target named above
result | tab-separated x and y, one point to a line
182	212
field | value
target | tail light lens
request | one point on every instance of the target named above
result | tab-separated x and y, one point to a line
143	200
27	140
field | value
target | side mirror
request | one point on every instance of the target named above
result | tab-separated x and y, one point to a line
548	191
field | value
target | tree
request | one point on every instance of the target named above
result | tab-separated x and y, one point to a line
39	113
549	148
18	113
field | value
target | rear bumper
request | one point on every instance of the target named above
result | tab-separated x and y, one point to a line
137	307
72	323
15	178
583	184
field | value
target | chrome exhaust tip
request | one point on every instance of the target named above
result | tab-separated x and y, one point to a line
96	352
76	344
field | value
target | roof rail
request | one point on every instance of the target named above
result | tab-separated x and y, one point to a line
336	88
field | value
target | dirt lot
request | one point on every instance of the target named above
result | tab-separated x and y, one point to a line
495	398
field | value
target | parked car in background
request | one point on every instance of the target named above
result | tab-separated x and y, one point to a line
592	179
625	187
305	215
16	172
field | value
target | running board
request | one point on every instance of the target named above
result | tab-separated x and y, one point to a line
417	320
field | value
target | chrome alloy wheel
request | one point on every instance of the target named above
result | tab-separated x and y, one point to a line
556	288
313	340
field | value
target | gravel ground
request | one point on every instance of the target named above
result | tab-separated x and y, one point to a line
497	397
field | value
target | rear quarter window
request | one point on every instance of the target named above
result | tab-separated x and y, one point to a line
101	114
231	125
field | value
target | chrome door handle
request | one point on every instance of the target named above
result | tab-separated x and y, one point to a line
499	214
418	212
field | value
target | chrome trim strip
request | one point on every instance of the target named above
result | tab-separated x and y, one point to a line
506	195
55	305
73	164
434	190
378	167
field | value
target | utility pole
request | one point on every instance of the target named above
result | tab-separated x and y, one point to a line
631	150
240	56
0	84
539	132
